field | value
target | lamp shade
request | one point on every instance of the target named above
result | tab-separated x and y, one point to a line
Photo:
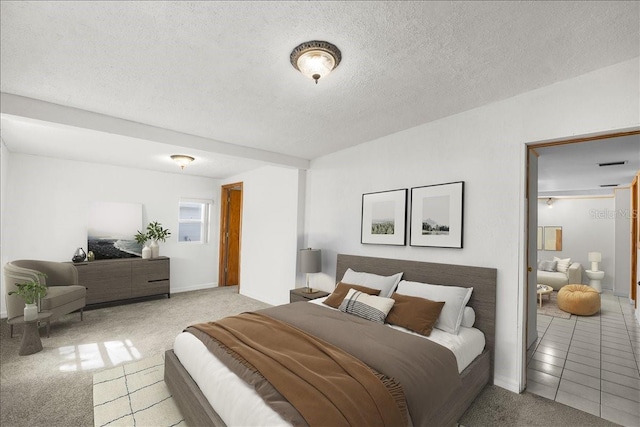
310	260
594	256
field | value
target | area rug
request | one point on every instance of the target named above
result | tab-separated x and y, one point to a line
550	307
134	394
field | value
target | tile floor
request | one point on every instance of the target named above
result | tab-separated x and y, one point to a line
590	363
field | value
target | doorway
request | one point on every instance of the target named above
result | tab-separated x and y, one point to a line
230	232
574	361
532	222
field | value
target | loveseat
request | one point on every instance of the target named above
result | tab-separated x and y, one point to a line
558	279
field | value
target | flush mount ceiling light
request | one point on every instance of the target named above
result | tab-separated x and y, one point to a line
182	160
315	58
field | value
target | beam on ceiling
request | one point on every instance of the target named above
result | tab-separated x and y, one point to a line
21	106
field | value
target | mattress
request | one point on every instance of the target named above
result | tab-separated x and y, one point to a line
226	392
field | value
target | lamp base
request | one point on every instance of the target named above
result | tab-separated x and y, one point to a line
308	290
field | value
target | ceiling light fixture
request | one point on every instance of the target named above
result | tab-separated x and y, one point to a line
182	160
550	203
315	58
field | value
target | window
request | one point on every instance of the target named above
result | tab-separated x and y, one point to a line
193	221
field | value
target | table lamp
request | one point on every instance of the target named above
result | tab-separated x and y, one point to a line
595	258
310	262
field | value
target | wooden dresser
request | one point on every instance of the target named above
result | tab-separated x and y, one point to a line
122	279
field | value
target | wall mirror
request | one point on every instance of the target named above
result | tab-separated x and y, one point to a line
552	238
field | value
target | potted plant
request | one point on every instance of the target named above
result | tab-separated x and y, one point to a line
31	291
156	233
142	239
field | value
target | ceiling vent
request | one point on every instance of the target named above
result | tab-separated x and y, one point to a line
623	162
609	185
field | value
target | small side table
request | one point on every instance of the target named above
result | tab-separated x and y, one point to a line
595	279
544	290
299	294
31	336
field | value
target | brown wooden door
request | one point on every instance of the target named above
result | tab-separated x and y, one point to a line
230	232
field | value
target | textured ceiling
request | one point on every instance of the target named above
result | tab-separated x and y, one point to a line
220	70
573	169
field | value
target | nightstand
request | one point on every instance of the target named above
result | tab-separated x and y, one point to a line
298	294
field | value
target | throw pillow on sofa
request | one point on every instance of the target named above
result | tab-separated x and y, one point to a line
563	264
548	266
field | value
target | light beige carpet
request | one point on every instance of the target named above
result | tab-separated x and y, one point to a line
54	387
134	394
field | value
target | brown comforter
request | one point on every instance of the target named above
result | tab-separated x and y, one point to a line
326	385
426	371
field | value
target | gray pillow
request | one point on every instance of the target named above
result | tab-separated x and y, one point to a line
548	266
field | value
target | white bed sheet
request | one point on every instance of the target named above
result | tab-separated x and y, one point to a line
234	400
238	404
466	346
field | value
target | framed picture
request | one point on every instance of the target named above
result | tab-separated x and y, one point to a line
384	218
540	239
436	215
111	230
552	238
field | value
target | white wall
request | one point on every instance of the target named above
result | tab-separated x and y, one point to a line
4	173
588	225
622	281
485	148
270	232
47	202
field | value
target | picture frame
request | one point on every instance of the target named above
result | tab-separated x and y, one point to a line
111	230
437	215
540	239
552	238
384	217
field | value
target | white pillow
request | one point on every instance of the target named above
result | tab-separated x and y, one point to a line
454	297
468	317
367	306
386	284
563	264
548	266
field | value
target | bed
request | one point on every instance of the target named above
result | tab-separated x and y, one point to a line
197	409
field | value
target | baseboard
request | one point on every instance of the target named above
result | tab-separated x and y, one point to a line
262	298
194	288
506	384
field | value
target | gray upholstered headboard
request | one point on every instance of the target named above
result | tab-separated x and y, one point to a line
483	280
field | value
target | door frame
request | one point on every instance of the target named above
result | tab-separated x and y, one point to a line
525	230
635	237
224	220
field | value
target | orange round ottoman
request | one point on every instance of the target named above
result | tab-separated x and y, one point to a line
582	300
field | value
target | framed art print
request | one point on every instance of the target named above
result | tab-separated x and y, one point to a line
384	218
436	215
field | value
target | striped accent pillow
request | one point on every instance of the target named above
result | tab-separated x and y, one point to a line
563	264
368	307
